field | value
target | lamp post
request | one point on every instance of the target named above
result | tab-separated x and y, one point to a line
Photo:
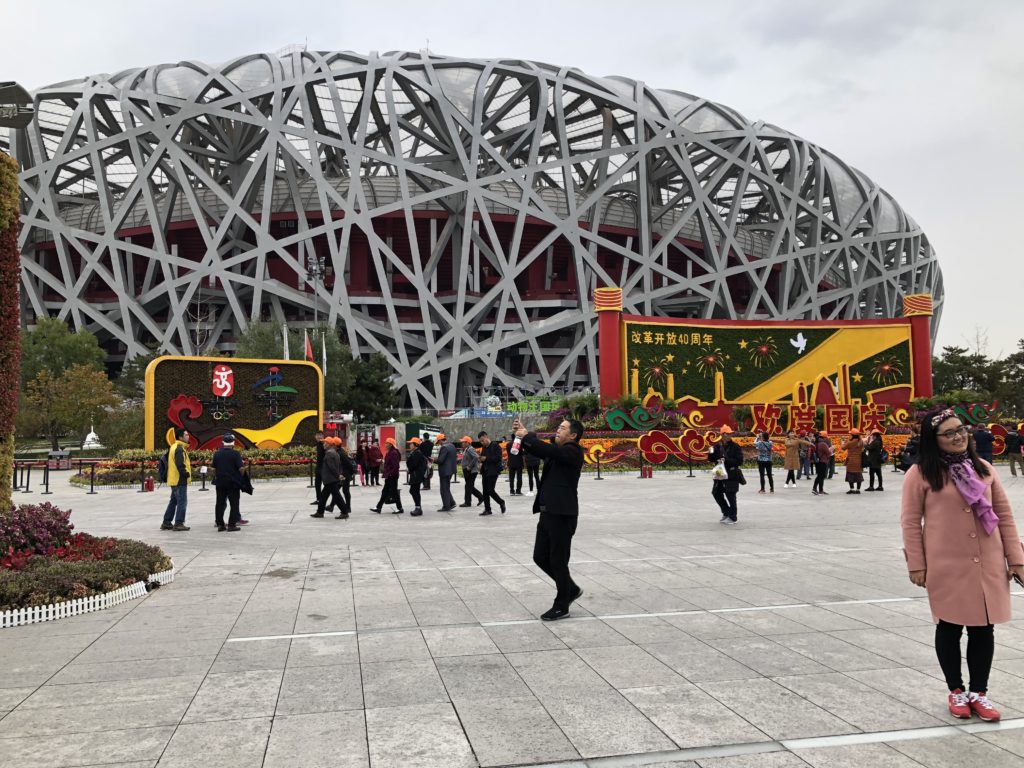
315	271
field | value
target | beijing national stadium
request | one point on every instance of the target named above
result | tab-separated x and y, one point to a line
454	215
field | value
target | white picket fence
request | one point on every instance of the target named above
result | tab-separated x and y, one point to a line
39	613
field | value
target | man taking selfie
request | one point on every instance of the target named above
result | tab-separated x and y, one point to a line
557	503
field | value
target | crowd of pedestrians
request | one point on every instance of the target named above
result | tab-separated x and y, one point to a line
965	563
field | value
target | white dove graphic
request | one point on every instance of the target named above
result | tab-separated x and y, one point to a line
799	342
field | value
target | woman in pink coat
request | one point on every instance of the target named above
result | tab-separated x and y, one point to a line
961	544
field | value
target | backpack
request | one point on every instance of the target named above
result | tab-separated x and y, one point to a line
161	466
348	468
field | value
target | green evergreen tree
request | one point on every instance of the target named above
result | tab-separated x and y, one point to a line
53	348
373	398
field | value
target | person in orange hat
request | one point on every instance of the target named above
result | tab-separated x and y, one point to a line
331	474
416	464
447	462
470	469
822	455
426	447
854	461
390	494
724	489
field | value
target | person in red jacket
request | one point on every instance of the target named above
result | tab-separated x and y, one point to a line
392	466
373	461
821	454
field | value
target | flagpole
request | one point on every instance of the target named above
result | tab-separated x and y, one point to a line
284	336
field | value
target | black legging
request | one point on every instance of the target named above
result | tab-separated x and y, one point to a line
981	644
414	489
821	469
533	475
791	476
874	472
764	468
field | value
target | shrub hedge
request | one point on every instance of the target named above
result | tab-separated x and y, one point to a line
43	562
264	464
43	580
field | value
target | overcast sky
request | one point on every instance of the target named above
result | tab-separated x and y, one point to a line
926	97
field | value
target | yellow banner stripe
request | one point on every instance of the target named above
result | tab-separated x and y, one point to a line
847	345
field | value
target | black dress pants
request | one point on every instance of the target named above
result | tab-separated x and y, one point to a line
471	491
346	493
331	491
873	474
447	500
515	480
533	475
551	551
227	495
726	500
490	482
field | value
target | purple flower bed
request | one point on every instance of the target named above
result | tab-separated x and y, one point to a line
34	528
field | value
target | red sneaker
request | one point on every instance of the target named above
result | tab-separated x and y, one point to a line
983	708
959	705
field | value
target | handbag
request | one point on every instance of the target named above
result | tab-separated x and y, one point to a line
246	486
740	477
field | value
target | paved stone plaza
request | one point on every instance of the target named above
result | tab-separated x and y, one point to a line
792	639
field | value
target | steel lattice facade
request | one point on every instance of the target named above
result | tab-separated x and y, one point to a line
454	215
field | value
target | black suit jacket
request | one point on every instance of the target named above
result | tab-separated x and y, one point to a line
447	459
490	458
559	482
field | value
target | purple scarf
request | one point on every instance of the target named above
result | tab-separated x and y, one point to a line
971	487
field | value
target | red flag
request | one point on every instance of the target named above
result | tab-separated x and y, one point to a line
309	347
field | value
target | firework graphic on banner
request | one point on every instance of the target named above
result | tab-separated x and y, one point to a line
763	351
710	361
655	375
886	370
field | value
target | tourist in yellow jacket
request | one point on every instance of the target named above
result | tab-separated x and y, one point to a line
179	473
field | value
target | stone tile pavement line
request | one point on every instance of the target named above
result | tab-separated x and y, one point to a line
793	639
